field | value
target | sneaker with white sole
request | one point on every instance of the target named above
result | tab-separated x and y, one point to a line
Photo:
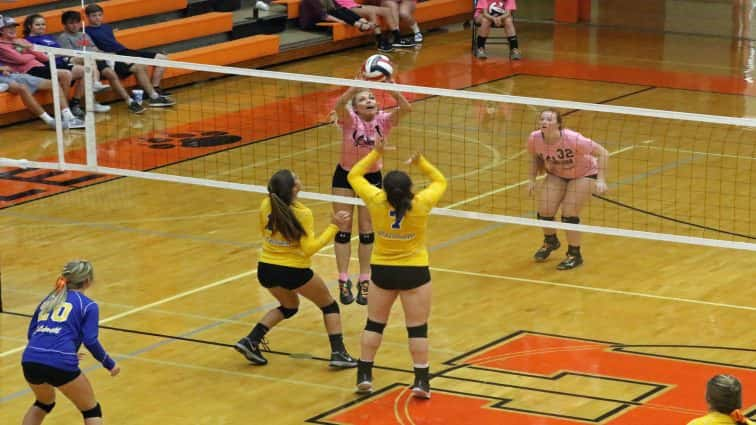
73	123
136	108
98	86
418	38
342	360
480	53
101	108
160	102
251	351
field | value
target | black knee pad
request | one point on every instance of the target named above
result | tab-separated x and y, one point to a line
376	327
46	407
367	238
95	412
571	220
419	331
540	217
332	308
287	312
343	237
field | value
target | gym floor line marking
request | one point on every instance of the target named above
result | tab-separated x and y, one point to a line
156	303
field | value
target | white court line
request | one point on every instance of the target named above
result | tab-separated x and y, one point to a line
720	155
344	388
156	303
514	185
594	289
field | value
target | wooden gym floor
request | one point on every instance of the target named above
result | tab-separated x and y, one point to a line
628	338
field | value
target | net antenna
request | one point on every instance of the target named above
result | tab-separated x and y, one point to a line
673	176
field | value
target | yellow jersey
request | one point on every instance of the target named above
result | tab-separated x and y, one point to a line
277	250
398	242
716	418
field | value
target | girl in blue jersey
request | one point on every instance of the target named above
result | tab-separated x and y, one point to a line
64	320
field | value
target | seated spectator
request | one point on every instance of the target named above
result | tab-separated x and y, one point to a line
74	38
724	397
35	28
103	37
371	13
403	12
485	21
19	57
25	85
313	11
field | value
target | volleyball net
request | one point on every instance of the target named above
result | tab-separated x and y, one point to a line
677	177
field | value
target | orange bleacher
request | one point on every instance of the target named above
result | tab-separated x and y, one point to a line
115	10
18	4
176	30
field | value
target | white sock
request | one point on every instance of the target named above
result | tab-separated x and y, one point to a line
67	114
422	366
129	101
154	95
415	28
47	118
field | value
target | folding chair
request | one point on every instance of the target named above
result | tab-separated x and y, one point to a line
491	39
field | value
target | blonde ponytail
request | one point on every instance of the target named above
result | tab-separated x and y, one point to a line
74	275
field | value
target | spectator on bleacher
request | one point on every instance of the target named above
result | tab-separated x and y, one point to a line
404	13
725	399
372	13
313	11
19	57
74	38
25	85
484	20
103	37
35	28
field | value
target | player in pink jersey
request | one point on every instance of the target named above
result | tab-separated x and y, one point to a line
485	21
362	122
575	166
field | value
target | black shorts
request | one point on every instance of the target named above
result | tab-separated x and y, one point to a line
566	180
37	374
124	69
273	275
399	277
340	178
41	72
101	65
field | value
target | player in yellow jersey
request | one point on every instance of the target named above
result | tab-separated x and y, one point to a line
724	396
399	262
283	268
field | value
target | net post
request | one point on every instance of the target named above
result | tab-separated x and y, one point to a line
89	121
56	109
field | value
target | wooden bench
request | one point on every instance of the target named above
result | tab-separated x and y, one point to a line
227	53
115	10
176	30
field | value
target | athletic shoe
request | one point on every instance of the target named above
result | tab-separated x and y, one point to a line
364	382
98	86
261	5
421	388
73	123
101	108
404	42
480	53
362	292
160	91
544	251
515	54
136	108
342	360
385	46
76	110
251	351
345	292
160	102
3	87
418	38
570	262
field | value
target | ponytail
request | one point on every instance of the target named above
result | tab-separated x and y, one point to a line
282	218
398	187
74	275
738	417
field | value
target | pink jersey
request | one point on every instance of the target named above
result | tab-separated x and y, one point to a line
360	137
569	158
347	3
482	5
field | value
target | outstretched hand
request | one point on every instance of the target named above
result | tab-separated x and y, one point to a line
413	159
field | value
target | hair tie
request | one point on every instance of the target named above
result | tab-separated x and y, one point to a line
60	284
738	417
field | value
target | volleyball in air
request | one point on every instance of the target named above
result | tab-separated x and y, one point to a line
377	68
